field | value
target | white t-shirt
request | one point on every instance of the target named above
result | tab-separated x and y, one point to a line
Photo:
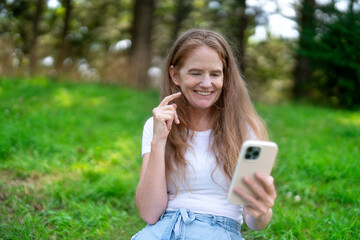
208	188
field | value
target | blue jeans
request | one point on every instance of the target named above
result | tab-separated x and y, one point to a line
186	225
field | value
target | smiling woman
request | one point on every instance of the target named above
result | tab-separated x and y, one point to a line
191	144
200	79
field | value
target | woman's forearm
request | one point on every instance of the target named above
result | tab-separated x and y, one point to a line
151	194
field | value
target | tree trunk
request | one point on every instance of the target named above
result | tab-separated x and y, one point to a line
243	24
303	71
141	42
182	11
238	23
33	45
351	6
63	50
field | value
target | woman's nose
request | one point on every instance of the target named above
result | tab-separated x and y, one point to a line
206	81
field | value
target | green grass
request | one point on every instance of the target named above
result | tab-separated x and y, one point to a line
70	161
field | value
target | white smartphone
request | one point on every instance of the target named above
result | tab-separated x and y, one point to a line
255	156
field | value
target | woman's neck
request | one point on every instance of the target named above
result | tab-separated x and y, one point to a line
200	120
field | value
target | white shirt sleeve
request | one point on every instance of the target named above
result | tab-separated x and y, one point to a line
251	133
147	136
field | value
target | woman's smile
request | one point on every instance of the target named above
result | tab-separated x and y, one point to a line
203	93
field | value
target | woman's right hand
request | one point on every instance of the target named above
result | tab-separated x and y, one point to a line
164	115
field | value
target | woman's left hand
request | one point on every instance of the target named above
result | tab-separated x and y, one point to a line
259	206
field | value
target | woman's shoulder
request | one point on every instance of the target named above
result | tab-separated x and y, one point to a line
250	132
149	123
150	120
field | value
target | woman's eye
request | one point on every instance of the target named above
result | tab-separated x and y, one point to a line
215	75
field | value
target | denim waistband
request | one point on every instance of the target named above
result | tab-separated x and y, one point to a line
184	216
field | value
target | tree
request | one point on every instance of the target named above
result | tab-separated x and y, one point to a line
33	45
328	67
63	50
20	21
306	22
183	9
232	18
141	42
336	58
239	25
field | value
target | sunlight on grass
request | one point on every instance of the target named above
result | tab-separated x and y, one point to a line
350	119
95	101
127	147
39	81
63	97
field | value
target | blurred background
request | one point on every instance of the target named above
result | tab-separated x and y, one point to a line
79	78
287	49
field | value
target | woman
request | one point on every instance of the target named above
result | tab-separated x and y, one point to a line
191	145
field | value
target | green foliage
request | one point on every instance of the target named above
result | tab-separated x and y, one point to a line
71	160
335	57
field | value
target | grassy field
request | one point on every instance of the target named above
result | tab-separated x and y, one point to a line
70	161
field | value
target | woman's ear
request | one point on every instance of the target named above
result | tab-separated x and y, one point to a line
174	75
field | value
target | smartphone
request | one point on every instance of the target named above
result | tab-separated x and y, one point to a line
255	156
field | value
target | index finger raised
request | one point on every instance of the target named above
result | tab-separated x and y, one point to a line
169	98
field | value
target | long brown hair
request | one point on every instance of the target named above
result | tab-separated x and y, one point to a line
233	115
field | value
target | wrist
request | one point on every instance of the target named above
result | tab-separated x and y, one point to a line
158	142
258	222
264	218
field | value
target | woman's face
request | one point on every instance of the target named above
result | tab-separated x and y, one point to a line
200	78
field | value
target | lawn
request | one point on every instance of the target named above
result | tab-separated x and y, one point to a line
70	161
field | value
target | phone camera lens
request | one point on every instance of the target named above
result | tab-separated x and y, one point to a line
252	153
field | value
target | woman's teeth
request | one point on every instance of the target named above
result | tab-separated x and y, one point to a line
203	93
